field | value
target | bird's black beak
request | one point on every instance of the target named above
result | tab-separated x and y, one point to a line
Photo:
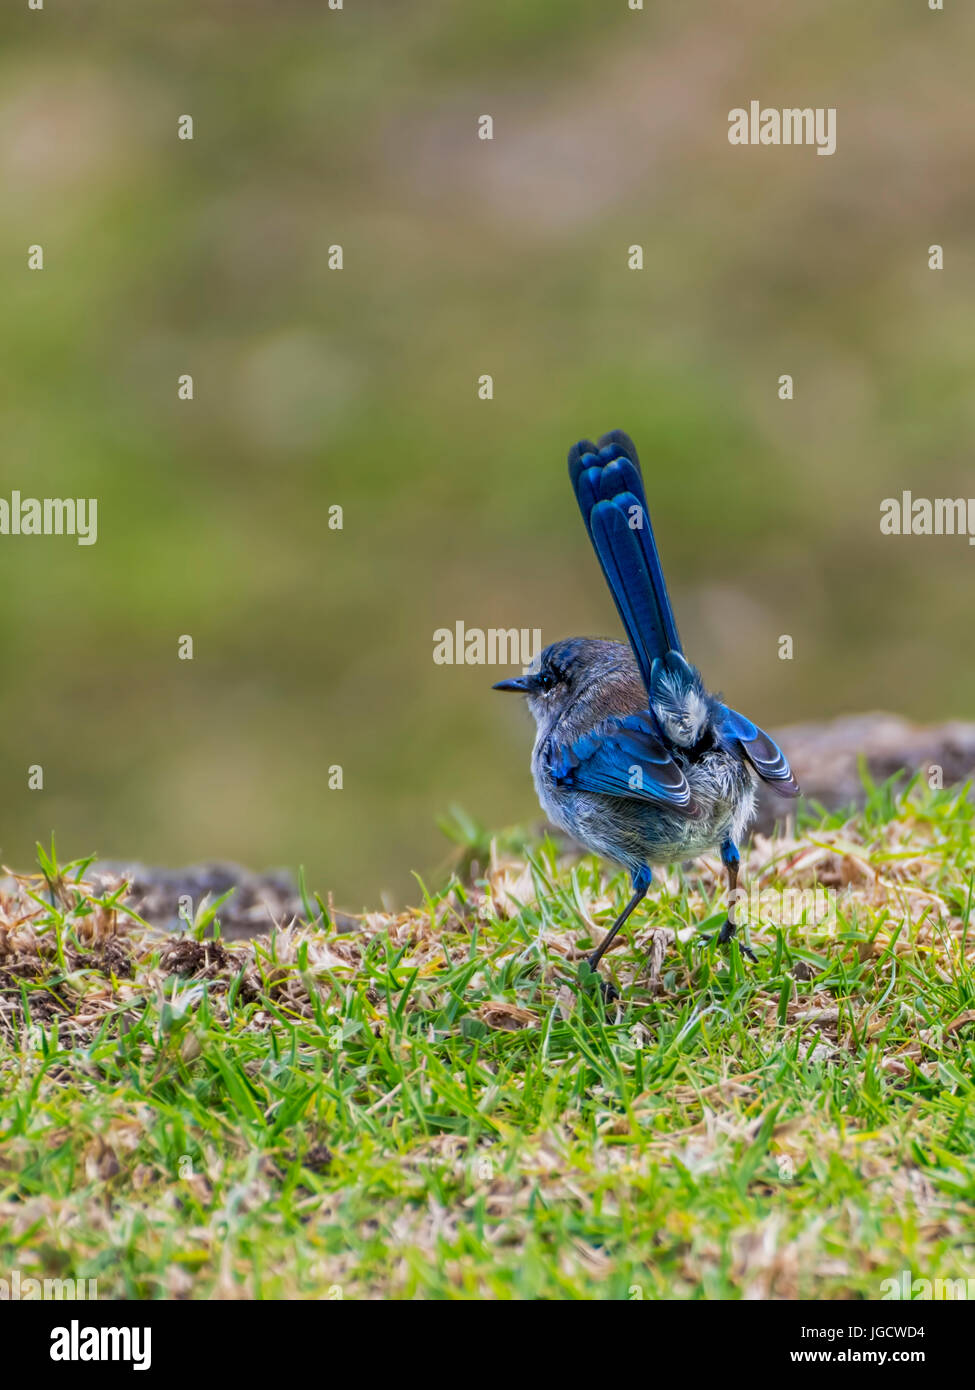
520	684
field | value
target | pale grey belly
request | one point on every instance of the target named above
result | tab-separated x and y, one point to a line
635	832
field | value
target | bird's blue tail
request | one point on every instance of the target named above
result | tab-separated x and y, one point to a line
608	486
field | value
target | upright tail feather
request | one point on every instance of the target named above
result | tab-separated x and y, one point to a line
608	486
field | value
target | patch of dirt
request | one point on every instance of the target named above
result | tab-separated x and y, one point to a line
187	957
257	903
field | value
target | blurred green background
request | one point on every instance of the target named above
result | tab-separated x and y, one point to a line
316	387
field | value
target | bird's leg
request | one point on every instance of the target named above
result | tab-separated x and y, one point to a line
641	882
731	860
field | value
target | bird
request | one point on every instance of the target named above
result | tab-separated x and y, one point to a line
634	757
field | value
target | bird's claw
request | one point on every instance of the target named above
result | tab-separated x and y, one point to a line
728	933
609	992
606	988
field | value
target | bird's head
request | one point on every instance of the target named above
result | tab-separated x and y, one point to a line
568	671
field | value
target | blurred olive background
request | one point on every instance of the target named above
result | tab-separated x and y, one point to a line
357	387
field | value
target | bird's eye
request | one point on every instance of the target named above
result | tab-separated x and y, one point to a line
546	680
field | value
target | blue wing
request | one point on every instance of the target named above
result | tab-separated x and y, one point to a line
622	756
764	754
609	489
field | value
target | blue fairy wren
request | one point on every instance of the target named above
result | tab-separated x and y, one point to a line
633	757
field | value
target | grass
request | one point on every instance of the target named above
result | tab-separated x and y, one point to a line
433	1106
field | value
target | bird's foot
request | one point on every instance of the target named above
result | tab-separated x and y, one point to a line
606	988
728	933
609	992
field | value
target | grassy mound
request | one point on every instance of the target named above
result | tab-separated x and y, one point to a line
435	1105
